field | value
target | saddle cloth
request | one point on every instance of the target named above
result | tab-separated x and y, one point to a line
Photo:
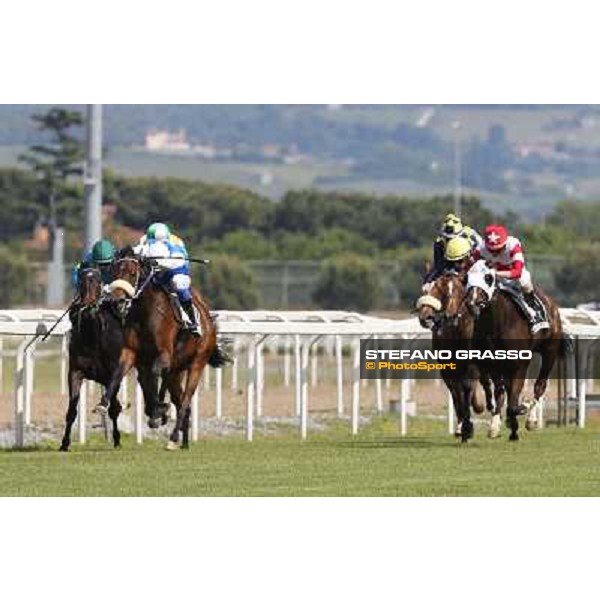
516	296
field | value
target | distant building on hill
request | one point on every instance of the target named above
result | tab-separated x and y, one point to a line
167	141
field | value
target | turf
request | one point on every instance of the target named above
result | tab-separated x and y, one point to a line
553	462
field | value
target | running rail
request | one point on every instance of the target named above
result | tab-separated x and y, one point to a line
300	333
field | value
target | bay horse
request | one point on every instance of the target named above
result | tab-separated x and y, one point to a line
155	342
442	311
95	345
505	326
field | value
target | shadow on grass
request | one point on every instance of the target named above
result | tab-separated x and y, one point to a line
395	442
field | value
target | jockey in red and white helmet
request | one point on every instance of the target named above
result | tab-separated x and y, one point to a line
504	253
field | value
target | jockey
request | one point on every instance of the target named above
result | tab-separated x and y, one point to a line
171	255
452	228
504	254
99	257
458	255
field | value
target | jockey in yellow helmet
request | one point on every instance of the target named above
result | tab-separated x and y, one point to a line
452	228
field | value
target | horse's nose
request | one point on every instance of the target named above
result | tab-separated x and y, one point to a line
426	322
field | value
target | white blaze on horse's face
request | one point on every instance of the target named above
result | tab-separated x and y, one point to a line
483	278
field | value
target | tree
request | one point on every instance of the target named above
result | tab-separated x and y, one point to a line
229	285
578	279
349	283
56	163
14	278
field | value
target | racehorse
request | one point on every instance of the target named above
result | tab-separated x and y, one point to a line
443	312
94	349
502	322
154	340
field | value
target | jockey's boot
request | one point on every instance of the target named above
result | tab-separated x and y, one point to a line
192	326
537	320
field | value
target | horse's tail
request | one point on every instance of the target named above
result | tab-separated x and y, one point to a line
219	358
566	345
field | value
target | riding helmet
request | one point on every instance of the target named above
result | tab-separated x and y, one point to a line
158	232
103	252
457	249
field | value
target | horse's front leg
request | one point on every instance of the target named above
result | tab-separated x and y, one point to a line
114	410
499	400
465	390
75	382
514	389
184	411
175	386
126	362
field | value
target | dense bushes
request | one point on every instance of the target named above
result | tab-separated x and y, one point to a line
14	278
348	283
228	285
578	279
221	221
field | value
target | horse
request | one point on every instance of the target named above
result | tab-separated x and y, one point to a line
94	349
442	311
155	341
501	321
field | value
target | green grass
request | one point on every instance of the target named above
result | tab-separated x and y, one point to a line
553	462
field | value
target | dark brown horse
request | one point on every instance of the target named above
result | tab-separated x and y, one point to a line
501	322
155	342
94	349
443	312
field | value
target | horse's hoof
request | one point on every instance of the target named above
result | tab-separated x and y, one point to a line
493	435
514	437
64	449
531	425
154	423
171	445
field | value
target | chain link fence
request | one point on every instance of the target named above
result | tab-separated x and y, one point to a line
290	285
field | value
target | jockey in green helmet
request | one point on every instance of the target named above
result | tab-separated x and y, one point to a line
99	257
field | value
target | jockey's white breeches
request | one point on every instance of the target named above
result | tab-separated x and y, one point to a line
526	282
181	282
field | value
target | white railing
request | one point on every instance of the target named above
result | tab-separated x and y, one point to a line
298	332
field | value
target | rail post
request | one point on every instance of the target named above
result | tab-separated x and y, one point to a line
28	380
298	371
339	367
64	352
219	393
355	386
139	414
260	376
450	414
1	364
82	414
286	363
20	394
251	382
195	414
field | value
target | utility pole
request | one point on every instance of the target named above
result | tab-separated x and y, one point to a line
456	125
92	175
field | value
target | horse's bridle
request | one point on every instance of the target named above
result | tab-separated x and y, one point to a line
441	318
138	288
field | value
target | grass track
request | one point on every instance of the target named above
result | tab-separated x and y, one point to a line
553	462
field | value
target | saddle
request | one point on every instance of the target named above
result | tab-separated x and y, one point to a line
517	297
